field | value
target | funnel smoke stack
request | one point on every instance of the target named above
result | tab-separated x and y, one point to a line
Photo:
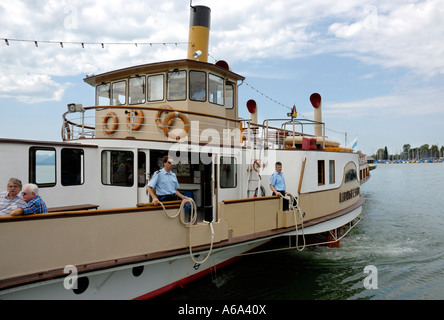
316	102
199	33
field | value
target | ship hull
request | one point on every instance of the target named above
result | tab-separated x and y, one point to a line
150	279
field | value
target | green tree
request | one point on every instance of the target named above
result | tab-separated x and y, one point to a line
434	151
424	151
406	151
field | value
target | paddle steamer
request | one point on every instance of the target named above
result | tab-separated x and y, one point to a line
104	239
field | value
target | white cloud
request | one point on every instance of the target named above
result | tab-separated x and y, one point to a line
393	34
399	34
413	103
30	88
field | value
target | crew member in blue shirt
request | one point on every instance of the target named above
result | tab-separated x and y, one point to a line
277	184
165	182
34	203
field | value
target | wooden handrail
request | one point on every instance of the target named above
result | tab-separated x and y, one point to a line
249	199
69	214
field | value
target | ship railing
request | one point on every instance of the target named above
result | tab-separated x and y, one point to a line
270	137
84	125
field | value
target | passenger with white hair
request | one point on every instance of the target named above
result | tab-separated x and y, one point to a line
34	203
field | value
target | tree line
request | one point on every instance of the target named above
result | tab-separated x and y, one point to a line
423	152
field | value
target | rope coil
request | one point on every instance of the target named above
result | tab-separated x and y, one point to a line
189	224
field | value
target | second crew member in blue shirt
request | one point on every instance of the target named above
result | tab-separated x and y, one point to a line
277	184
165	182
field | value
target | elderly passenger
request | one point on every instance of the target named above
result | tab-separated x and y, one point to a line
34	203
11	198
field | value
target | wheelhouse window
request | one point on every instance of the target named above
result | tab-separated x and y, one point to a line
228	172
72	166
42	166
216	89
229	96
118	168
136	90
155	87
198	86
103	94
177	84
119	93
321	172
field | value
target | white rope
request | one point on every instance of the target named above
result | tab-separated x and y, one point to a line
190	223
301	214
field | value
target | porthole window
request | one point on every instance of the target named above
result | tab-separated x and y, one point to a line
137	271
351	175
82	285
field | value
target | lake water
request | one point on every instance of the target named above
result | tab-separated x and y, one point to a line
400	237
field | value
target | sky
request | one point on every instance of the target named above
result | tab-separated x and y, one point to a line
378	65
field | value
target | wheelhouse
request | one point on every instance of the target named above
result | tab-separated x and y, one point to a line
197	89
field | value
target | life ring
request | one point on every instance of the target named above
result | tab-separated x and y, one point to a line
135	126
257	165
110	115
158	117
168	123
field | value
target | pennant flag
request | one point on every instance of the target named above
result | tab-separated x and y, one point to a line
294	113
354	143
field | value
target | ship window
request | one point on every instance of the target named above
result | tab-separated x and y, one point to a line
177	84
332	171
229	96
119	93
42	166
351	175
228	172
321	172
103	94
72	166
198	86
118	168
136	90
216	89
141	169
155	87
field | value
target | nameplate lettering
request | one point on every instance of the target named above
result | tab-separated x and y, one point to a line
347	195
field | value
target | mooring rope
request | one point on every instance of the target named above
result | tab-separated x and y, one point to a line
301	214
189	224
